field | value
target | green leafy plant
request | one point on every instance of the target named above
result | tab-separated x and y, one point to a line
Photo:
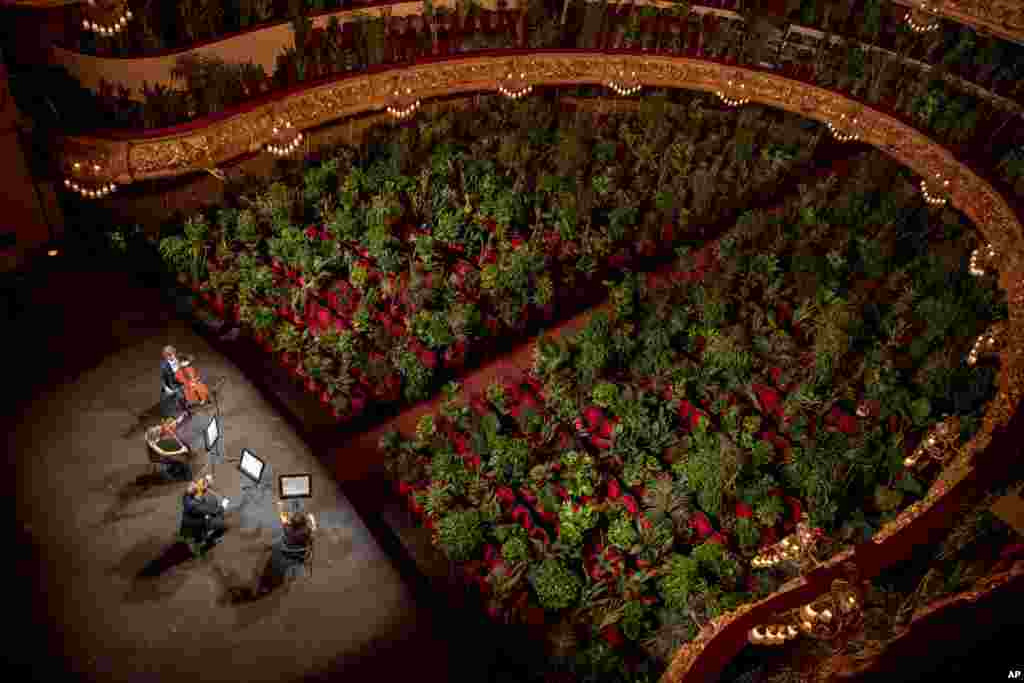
580	474
622	532
636	621
605	394
460	534
510	458
639	468
680	581
557	586
516	548
425	428
574	522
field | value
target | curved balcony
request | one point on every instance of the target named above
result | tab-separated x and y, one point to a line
887	35
260	46
203	144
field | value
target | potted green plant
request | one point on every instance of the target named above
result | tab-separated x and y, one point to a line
263	321
288	342
197	231
175	252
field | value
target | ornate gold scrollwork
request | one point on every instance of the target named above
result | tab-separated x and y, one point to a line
832	616
798	548
940	444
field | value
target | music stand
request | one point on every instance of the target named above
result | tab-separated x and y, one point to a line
251	466
212	433
295	486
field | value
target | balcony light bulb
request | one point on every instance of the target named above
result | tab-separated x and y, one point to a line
85	24
129	14
826	615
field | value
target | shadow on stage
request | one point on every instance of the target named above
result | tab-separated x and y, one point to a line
256	599
130	486
148	567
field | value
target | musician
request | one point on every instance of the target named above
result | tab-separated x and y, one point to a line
172	396
203	515
290	552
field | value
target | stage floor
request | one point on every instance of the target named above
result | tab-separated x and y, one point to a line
91	520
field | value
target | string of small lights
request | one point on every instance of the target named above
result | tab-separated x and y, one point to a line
627	87
988	254
403	106
279	147
930	197
78	184
515	88
922	19
844	134
733	101
90	192
112	21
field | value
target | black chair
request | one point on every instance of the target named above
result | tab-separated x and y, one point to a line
204	532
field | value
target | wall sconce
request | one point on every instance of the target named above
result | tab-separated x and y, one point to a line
733	95
987	343
82	180
981	258
625	84
786	550
286	139
402	105
105	18
832	613
774	634
846	130
515	87
939	445
934	194
923	18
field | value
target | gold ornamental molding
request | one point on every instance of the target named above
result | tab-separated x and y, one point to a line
128	161
133	160
1002	18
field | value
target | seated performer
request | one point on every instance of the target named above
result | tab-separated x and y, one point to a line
172	395
174	458
289	554
195	390
203	515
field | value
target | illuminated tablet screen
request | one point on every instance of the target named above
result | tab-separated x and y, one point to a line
296	486
250	465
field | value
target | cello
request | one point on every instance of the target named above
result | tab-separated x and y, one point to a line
195	390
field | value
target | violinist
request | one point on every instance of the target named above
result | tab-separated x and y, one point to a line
203	515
